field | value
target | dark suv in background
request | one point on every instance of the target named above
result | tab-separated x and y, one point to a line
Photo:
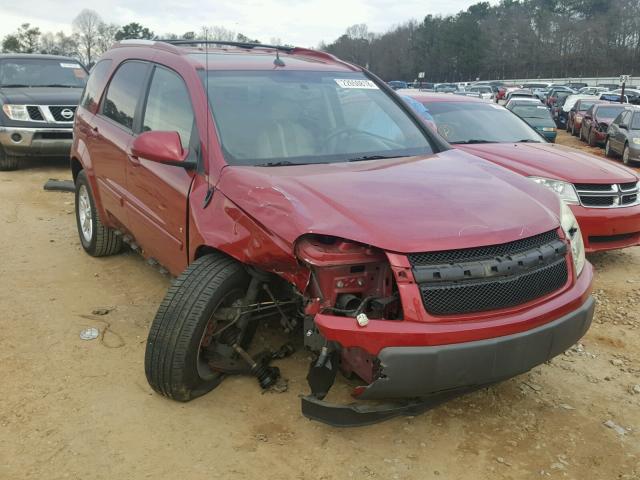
38	99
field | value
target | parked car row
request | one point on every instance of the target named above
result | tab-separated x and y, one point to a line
424	244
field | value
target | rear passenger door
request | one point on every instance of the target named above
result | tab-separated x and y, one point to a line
158	193
112	131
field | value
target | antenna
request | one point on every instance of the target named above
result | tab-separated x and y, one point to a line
209	194
278	61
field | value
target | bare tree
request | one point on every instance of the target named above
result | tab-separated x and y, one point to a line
87	26
106	36
218	33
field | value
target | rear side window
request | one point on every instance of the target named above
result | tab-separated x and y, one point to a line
123	93
168	106
97	78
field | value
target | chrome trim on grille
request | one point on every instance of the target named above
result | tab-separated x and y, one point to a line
47	115
616	193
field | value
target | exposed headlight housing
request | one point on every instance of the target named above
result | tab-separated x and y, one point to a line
574	235
636	140
565	190
16	112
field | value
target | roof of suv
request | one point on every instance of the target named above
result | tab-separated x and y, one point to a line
245	56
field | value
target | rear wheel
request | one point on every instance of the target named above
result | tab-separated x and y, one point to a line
97	239
187	324
6	162
591	139
573	129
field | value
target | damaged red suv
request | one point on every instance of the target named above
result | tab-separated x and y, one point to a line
283	184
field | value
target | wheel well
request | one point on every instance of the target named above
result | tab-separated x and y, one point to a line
206	250
76	167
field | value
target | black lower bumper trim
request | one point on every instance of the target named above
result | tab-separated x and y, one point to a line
410	372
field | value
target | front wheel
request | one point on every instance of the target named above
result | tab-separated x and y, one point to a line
7	163
591	139
625	155
186	325
607	148
97	239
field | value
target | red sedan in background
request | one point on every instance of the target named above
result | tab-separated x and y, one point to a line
596	121
603	195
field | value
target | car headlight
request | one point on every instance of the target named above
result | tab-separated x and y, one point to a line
16	112
548	129
564	190
573	233
636	140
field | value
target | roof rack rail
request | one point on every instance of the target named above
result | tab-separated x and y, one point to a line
247	45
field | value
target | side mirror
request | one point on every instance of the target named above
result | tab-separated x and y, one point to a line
623	125
161	147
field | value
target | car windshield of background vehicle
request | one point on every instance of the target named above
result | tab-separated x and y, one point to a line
532	112
466	122
38	72
584	106
635	123
609	112
276	118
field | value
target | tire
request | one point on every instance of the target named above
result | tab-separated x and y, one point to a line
172	361
7	163
573	130
625	155
591	139
568	129
580	137
97	239
608	152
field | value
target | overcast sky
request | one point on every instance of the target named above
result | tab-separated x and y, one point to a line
298	22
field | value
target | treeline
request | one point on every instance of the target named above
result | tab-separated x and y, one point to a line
92	36
513	39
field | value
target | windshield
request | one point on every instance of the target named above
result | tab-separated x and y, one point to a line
635	123
297	117
584	106
532	111
609	112
467	122
40	72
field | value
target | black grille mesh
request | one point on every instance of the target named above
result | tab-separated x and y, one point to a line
470	296
594	187
56	112
597	201
479	253
628	186
34	113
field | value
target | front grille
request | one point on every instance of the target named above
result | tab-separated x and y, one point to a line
479	253
58	112
34	113
469	297
608	195
53	135
612	238
492	277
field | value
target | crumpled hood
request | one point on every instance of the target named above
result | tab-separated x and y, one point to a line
552	161
438	202
41	95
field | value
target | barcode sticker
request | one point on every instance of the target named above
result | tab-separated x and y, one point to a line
70	65
350	83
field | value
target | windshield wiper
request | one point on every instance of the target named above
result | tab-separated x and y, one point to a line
13	85
373	157
57	85
528	140
280	163
470	142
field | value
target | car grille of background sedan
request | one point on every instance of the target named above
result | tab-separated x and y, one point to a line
35	113
608	195
60	113
493	277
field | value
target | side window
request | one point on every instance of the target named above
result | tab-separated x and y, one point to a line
124	92
169	106
97	78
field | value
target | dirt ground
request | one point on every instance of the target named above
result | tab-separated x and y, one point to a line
83	410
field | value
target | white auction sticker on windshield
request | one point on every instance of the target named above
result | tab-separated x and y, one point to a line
352	83
70	65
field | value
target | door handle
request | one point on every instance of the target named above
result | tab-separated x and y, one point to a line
133	159
93	132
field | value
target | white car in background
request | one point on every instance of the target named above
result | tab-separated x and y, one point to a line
592	90
485	91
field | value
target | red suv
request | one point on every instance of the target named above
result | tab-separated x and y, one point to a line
283	183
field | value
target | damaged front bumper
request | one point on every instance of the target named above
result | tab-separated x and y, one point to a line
431	375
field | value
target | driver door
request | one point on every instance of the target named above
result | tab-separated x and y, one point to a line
159	193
